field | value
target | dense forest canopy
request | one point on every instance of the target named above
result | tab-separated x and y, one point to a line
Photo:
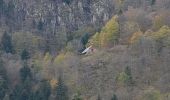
41	45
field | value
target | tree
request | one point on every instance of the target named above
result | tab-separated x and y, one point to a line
77	97
6	43
25	73
114	97
25	55
40	25
22	91
44	91
95	40
129	81
67	1
125	77
153	2
3	81
110	33
120	9
85	38
2	7
9	11
99	98
62	91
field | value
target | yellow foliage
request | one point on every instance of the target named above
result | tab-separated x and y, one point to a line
135	37
108	35
162	33
53	83
59	58
95	40
47	58
158	22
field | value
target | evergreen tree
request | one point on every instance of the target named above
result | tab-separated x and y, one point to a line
114	97
153	2
85	38
77	97
40	25
6	43
67	1
3	81
9	11
2	7
25	72
99	98
44	91
22	91
129	74
84	41
25	55
62	91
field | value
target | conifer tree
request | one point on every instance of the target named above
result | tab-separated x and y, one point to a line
3	81
25	55
99	98
25	73
114	97
129	74
77	96
62	91
6	43
44	91
67	1
2	7
40	25
23	90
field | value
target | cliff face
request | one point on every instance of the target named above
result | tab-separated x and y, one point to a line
61	15
54	20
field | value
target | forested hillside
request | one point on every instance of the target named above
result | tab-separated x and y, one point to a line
84	49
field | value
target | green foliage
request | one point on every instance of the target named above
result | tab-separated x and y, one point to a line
10	10
152	94
25	55
84	41
3	81
25	73
153	2
77	97
22	91
40	26
85	38
67	1
6	43
2	6
129	74
44	91
114	97
125	77
99	98
62	91
22	40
